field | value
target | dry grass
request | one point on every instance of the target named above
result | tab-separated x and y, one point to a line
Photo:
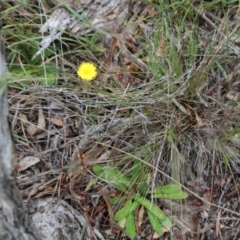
168	97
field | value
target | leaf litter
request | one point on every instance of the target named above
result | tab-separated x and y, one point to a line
143	116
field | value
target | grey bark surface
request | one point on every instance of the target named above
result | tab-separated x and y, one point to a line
14	222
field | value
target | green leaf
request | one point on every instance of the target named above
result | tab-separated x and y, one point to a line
167	189
170	191
154	209
143	188
114	173
126	210
170	188
98	169
45	75
113	176
130	226
116	178
117	200
155	223
175	196
136	170
166	223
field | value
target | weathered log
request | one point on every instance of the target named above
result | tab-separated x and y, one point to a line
14	221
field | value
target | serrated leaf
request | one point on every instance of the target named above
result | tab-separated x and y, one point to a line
175	196
154	209
156	225
130	226
126	210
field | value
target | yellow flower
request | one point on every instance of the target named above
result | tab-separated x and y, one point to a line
87	71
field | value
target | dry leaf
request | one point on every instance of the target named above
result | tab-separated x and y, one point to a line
27	162
24	119
56	121
235	38
33	129
140	217
233	95
41	120
155	235
54	105
48	191
160	48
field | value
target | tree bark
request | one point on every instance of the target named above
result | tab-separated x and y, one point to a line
14	222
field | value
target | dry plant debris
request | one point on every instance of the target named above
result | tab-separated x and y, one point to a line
171	100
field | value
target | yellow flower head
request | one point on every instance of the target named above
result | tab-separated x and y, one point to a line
87	71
